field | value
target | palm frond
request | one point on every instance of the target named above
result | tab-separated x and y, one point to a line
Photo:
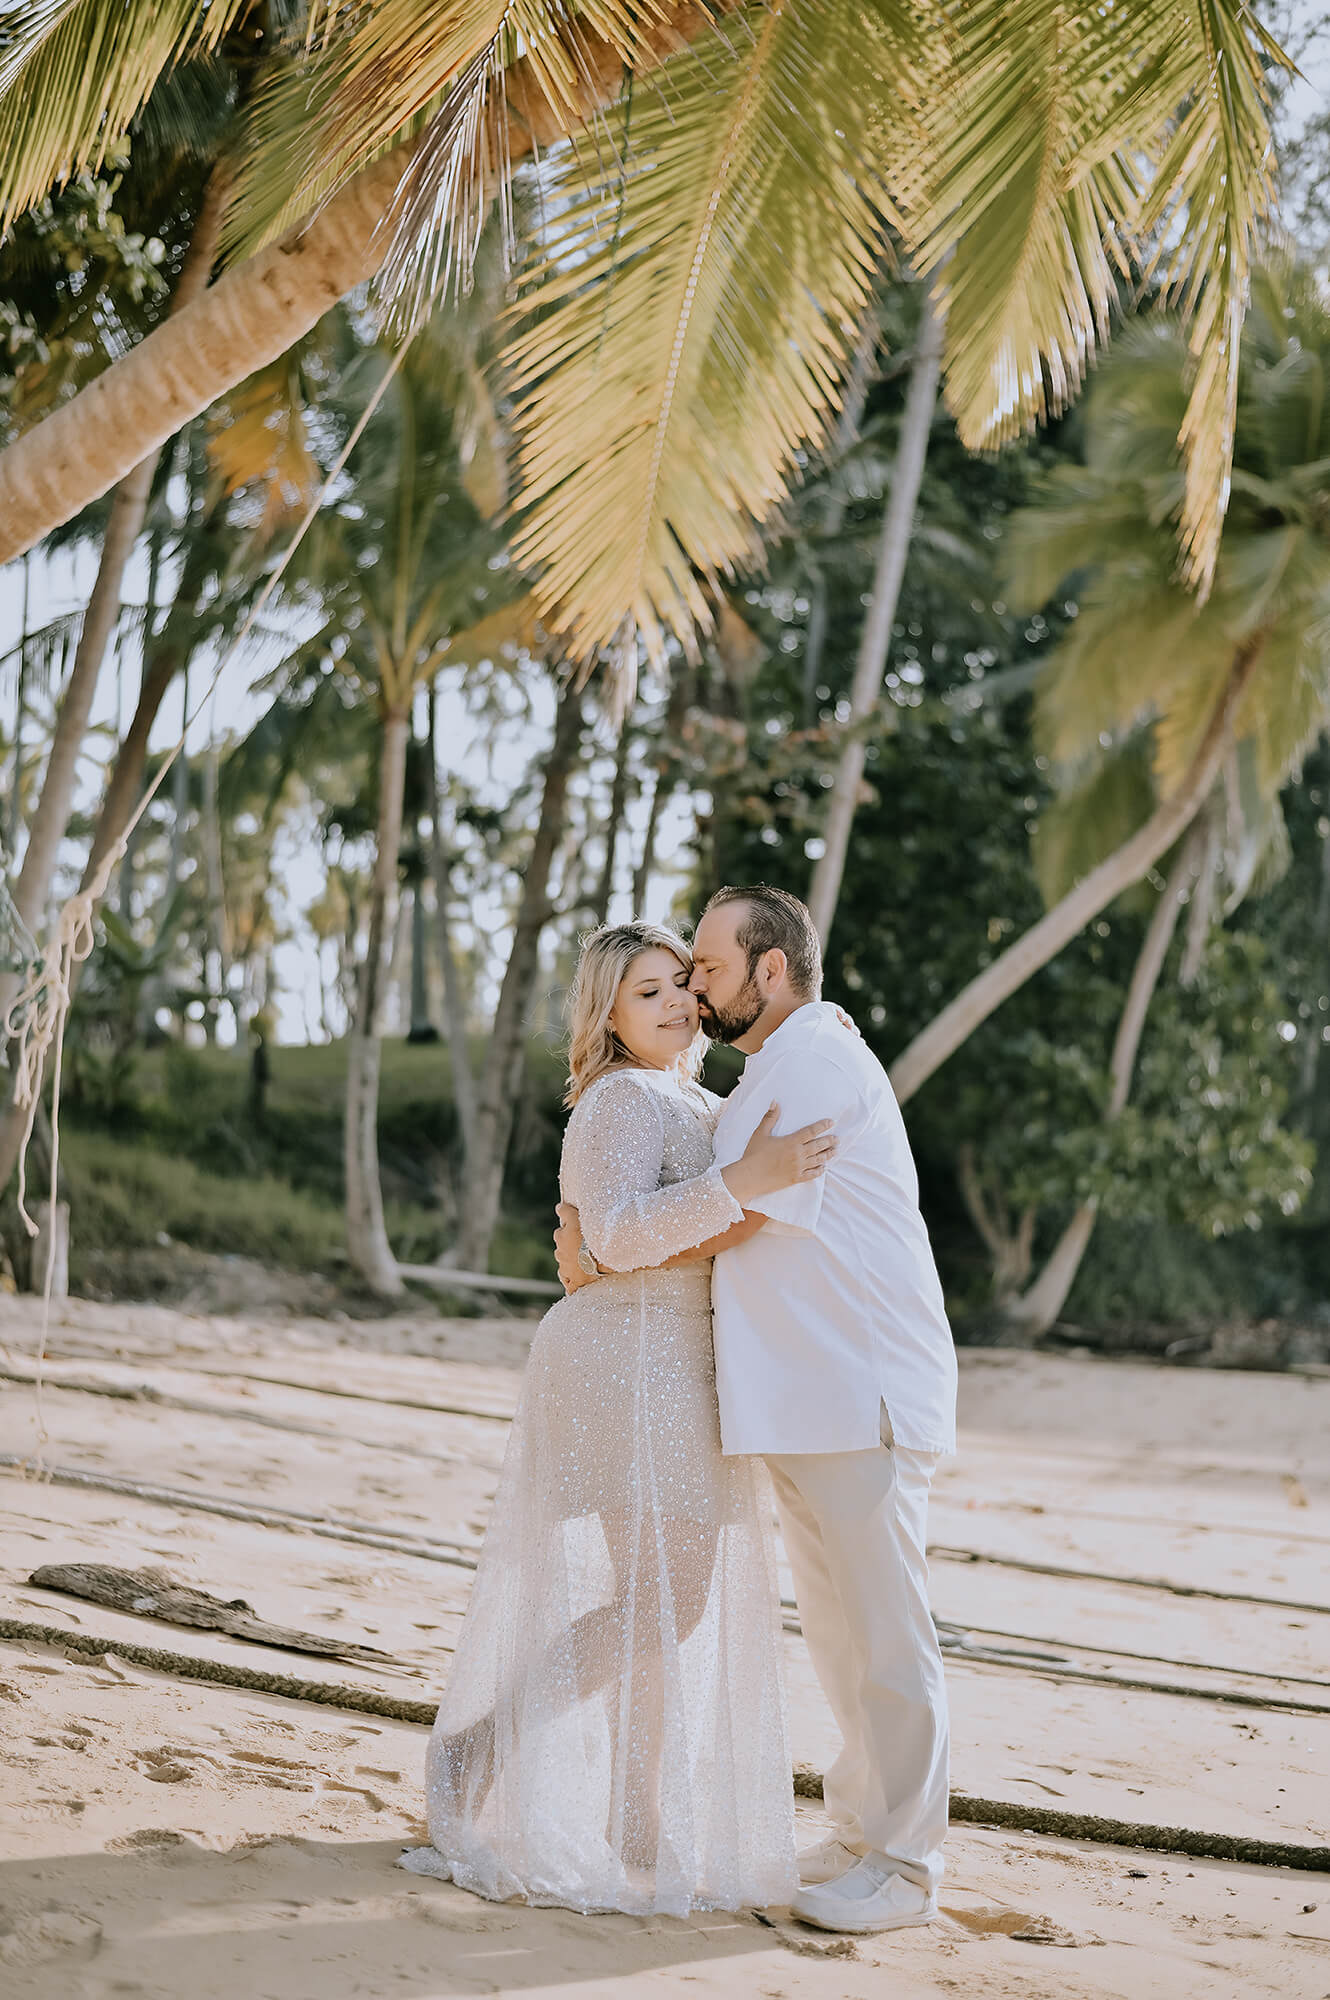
1088	821
1257	848
1101	680
74	73
1287	706
1213	187
437	74
687	326
1046	178
1018	215
42	655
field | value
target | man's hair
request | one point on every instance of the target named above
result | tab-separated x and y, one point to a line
777	921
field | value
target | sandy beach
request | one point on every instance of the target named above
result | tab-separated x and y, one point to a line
1129	1566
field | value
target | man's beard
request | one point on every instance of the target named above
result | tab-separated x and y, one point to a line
732	1023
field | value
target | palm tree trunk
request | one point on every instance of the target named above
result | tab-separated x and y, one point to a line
1009	1248
128	507
126	781
118	803
366	1234
857	385
454	998
947	1031
506	1055
51	813
875	639
260	308
219	941
179	799
421	1028
667	779
165	656
661	792
1041	1305
600	908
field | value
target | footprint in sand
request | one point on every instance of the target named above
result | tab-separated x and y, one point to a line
166	1765
448	1916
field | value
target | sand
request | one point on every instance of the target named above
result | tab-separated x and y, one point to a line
1135	1558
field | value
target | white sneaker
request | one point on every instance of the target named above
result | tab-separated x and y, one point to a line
872	1896
828	1859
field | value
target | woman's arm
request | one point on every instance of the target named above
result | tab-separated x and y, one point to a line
630	1222
738	1232
568	1241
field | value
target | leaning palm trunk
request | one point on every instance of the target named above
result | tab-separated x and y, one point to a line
55	801
51	814
1041	1305
947	1031
875	639
366	1234
260	308
506	1055
118	802
128	507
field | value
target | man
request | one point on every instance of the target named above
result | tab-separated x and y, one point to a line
834	1362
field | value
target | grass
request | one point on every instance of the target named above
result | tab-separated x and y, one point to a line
126	1195
187	1156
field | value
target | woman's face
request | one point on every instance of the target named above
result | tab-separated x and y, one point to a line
654	1014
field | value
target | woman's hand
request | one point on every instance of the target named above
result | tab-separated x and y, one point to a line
770	1163
567	1243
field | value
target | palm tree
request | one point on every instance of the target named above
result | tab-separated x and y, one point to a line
1133	687
875	636
129	505
395	574
1244	674
711	242
505	1051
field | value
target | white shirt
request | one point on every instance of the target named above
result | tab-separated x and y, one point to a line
835	1306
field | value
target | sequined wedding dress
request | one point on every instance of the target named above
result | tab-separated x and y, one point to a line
612	1735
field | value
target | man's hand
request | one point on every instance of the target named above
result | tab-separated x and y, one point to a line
567	1243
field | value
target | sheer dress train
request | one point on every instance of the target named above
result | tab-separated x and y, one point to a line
612	1735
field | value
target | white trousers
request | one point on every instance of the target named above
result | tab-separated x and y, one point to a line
854	1524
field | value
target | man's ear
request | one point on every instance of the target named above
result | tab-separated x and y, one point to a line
774	966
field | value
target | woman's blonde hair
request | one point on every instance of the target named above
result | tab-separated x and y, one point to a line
607	954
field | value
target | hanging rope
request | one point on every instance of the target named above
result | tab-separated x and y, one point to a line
35	1021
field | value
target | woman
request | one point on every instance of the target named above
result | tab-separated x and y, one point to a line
612	1736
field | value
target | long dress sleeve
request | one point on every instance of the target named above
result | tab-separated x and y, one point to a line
611	1171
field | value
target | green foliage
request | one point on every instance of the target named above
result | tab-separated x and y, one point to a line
74	285
126	1194
1142	653
180	1153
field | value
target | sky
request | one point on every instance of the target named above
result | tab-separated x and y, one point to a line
60	583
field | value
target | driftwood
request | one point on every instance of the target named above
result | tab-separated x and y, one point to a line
151	1593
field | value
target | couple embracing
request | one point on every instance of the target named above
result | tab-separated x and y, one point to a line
752	1303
